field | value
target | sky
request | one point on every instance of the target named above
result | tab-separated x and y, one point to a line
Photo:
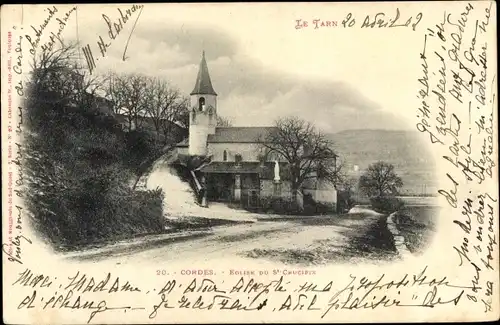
261	66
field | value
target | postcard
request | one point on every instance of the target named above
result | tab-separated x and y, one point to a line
250	162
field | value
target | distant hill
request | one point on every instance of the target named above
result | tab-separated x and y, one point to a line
404	149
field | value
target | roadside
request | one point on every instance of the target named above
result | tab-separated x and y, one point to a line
176	229
318	240
360	237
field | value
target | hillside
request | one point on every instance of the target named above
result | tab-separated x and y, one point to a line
404	149
78	163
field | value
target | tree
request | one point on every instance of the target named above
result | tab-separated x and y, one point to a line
136	96
165	105
57	80
380	180
128	94
307	150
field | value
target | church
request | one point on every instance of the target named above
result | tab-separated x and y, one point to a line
238	169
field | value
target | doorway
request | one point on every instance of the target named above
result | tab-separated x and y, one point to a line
220	187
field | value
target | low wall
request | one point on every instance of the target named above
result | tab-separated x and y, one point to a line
267	188
399	240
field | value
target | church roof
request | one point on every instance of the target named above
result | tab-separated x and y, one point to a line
203	84
244	134
239	134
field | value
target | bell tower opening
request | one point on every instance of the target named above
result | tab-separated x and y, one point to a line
201	104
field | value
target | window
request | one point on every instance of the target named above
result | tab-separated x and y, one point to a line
224	155
201	103
237	158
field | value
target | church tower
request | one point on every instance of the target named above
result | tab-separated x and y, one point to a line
203	113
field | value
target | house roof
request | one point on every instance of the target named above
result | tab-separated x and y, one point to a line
266	170
203	85
239	134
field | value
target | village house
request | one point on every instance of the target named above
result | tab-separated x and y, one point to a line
239	169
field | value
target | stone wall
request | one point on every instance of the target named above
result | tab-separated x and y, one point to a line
267	188
183	150
399	240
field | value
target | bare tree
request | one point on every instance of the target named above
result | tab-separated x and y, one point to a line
223	121
165	105
183	119
136	96
309	153
176	115
56	71
116	92
128	94
380	180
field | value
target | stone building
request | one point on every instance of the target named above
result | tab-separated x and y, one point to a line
239	170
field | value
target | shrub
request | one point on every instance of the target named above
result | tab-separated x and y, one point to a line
141	212
141	149
78	168
73	210
288	206
386	204
405	218
324	208
344	201
311	207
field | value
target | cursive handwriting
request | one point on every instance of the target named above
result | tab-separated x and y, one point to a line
381	20
39	30
71	301
114	26
83	283
91	293
384	20
16	243
458	96
18	66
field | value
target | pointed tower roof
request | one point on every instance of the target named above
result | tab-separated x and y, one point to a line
203	84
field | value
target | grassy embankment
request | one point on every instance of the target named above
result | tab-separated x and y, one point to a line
417	224
78	162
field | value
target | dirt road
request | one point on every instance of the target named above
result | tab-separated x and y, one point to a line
297	241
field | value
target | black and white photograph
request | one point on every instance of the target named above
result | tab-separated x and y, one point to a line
186	154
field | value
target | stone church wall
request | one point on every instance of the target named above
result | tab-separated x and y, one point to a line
248	151
198	139
326	192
